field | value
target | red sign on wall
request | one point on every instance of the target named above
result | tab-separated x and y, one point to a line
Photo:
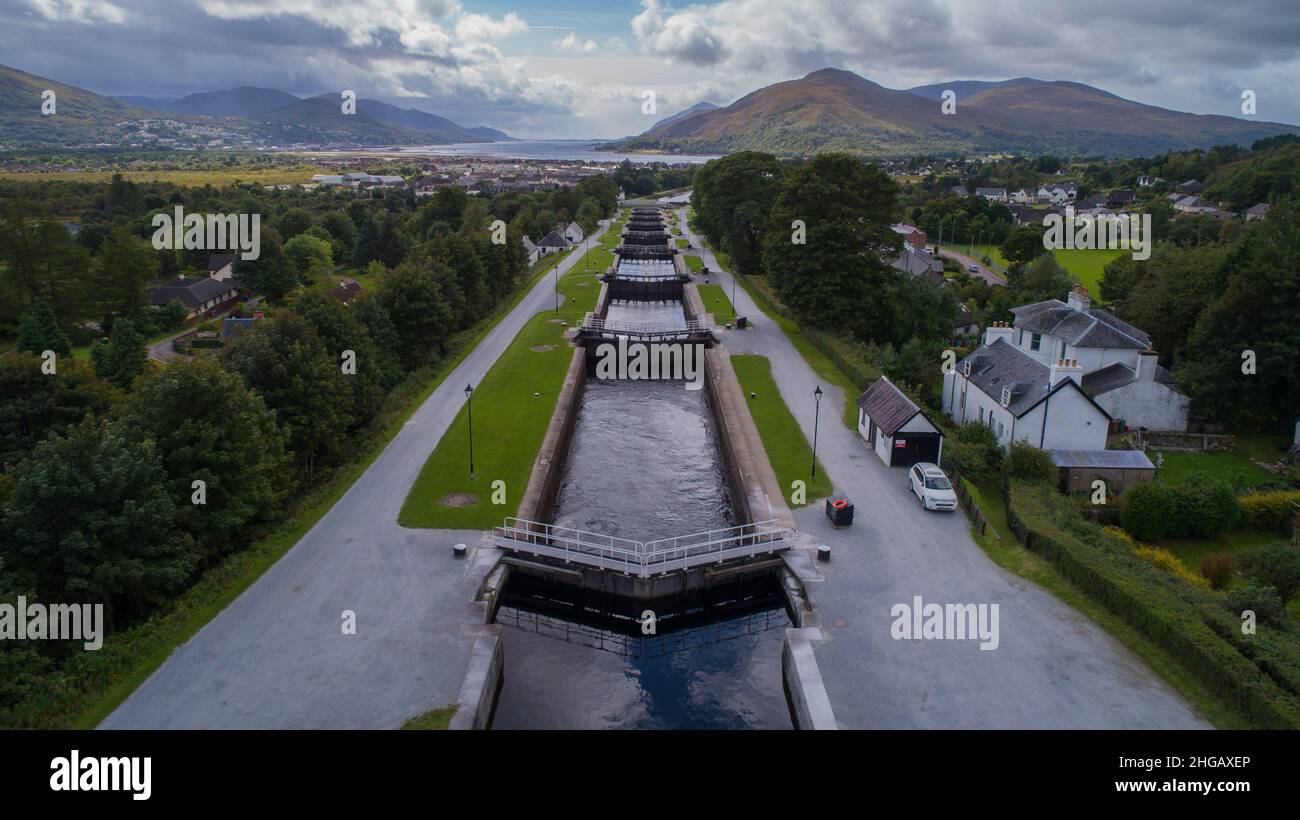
900	443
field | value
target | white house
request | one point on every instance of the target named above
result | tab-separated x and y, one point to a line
534	252
1118	370
992	194
573	232
1022	399
897	430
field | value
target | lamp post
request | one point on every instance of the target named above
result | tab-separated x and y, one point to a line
469	404
817	414
556	270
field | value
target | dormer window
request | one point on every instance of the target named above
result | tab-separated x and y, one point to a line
1036	341
966	367
1006	395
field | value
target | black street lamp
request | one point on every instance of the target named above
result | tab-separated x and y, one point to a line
816	421
469	404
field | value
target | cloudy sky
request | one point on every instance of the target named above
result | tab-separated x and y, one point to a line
577	68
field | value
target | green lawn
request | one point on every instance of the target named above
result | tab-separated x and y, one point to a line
1233	467
716	302
1086	266
694	263
787	448
512	406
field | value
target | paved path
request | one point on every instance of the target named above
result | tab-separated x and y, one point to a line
966	261
277	658
1053	668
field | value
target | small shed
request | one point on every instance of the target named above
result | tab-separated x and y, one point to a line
896	428
1118	468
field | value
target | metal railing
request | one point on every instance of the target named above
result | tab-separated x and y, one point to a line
641	558
596	325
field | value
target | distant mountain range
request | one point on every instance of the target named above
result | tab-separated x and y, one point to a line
684	113
832	109
238	117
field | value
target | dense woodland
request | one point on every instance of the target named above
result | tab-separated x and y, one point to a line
98	461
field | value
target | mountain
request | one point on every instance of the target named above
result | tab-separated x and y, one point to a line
703	105
235	102
492	134
80	117
832	109
438	129
246	117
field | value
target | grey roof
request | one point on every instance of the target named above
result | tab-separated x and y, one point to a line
232	327
1114	459
217	261
192	292
918	263
1082	328
553	240
887	406
999	365
1117	375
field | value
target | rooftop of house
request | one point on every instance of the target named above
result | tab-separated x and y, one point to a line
1114	376
999	365
217	261
1109	459
553	240
887	406
1079	326
192	293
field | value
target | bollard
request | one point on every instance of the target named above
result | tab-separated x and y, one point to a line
823	553
459	550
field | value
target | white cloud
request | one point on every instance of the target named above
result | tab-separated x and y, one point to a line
79	11
572	42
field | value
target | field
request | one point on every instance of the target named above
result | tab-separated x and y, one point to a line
1084	265
787	448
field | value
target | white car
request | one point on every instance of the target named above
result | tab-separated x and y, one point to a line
932	487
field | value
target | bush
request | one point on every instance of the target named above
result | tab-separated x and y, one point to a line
1263	601
1269	511
1207	507
1026	462
974	452
1169	562
1278	566
1149	511
1217	568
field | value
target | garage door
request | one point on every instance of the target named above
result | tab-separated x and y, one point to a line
909	448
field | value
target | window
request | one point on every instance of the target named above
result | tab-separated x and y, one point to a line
1020	340
937	482
1062	356
1036	341
999	429
981	415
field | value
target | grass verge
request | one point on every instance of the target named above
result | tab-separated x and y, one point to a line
787	449
435	719
716	302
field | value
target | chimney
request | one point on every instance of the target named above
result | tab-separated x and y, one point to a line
997	330
1065	369
1078	298
1146	367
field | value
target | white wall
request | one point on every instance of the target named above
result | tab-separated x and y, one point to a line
1148	404
1073	423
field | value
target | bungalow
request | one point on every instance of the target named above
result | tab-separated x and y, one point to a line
1257	211
992	194
919	263
899	433
912	235
219	266
1120	198
198	295
552	242
572	232
1191	186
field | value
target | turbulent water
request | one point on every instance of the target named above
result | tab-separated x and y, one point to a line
644	464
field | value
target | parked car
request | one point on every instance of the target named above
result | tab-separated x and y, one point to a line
932	487
973	268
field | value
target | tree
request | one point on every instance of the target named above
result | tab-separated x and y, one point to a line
271	273
1149	511
1026	462
206	425
309	256
733	197
42	263
1240	367
123	357
1277	566
285	362
123	270
340	330
343	235
1207	506
39	331
293	222
412	297
1023	244
1044	278
33	405
838	278
90	520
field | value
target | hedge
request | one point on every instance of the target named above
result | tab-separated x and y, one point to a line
1269	511
1259	674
